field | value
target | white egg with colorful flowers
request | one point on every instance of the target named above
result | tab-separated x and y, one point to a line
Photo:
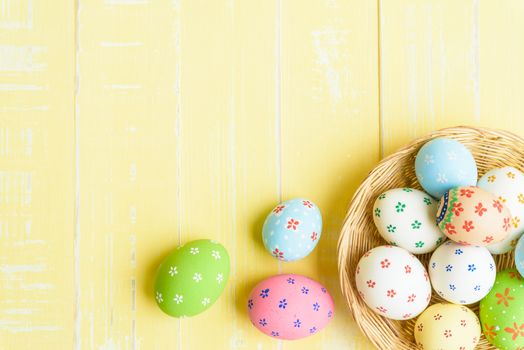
292	229
405	217
507	185
462	274
393	282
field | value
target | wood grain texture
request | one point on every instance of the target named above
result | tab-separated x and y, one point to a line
329	115
229	173
128	112
37	173
447	63
128	127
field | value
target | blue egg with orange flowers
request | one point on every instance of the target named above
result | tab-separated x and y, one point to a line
292	229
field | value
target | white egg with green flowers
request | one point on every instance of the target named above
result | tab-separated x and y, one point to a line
405	217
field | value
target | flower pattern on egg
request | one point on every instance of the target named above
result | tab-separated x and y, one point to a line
292	229
181	287
390	282
447	326
288	315
509	191
462	274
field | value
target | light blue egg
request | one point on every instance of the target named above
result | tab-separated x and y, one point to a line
442	164
519	255
292	229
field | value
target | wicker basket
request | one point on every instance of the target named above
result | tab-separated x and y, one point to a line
491	148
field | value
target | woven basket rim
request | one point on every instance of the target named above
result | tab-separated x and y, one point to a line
346	278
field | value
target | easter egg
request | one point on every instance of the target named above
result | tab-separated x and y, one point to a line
447	326
405	217
393	282
290	306
507	184
502	311
519	255
442	164
292	229
471	215
461	274
191	278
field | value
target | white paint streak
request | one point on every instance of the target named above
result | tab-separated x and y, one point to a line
278	96
24	108
13	268
77	341
429	63
29	329
232	175
27	225
4	150
278	112
133	294
24	301
121	43
123	86
132	214
443	64
133	217
133	250
381	59
91	318
475	59
109	285
26	188
411	20
27	138
20	58
108	345
8	322
133	310
178	133
16	14
29	242
132	172
19	182
110	213
21	87
36	286
126	2
327	44
133	334
18	311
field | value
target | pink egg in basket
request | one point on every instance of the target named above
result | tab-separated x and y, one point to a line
290	306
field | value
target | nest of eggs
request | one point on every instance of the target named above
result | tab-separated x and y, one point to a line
490	148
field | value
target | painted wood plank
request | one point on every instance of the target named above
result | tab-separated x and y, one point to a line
501	73
330	131
128	112
230	170
427	68
444	63
185	132
205	134
37	188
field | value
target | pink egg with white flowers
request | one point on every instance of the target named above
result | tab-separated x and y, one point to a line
290	306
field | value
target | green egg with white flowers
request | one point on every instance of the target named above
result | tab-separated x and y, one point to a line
192	278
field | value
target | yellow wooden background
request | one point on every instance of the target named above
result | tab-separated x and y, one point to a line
128	127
